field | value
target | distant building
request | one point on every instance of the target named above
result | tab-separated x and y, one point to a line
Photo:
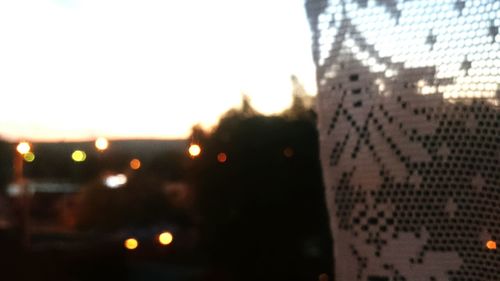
54	180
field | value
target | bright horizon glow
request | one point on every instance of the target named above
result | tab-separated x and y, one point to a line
75	70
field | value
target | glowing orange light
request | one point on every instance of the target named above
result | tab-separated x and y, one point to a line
101	143
491	245
165	238
288	152
131	244
194	150
135	164
23	147
222	157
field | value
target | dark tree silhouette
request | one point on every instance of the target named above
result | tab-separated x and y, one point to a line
261	206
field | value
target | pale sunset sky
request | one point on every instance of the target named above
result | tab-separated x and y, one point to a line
78	69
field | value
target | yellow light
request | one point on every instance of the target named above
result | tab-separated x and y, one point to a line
135	164
29	157
23	147
222	157
194	150
78	156
101	143
131	244
165	238
491	245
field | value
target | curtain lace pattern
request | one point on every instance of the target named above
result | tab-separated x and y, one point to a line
409	123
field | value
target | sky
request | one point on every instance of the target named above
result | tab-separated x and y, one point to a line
76	70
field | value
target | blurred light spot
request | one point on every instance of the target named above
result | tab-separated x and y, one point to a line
165	238
29	157
135	164
288	152
23	147
323	277
194	150
101	143
14	190
491	245
222	157
131	244
78	156
115	181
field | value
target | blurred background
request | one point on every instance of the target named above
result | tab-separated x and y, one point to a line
159	140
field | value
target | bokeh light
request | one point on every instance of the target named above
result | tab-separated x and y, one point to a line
194	150
23	147
101	143
323	277
135	164
491	245
222	157
288	152
115	181
165	238
131	244
29	157
78	156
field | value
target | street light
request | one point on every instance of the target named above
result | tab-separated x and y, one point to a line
135	164
78	156
23	148
491	245
115	181
131	244
194	150
101	143
222	157
165	238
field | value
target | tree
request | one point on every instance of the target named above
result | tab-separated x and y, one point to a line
262	210
302	104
